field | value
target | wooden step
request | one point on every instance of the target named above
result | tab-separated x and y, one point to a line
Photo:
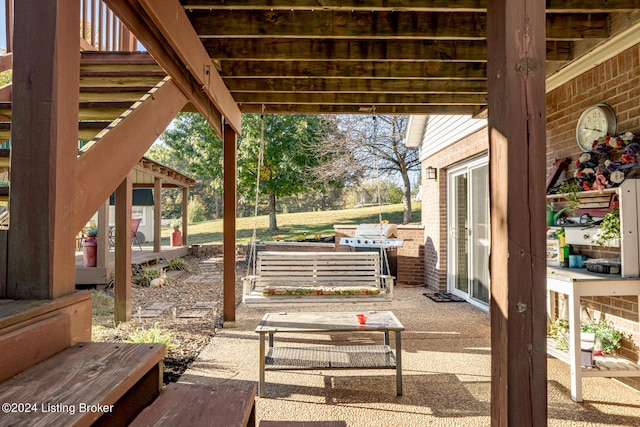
231	403
87	384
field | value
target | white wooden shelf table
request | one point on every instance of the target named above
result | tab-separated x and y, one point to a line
576	283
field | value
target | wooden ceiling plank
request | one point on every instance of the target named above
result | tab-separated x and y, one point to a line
309	49
577	6
355	109
111	155
360	98
318	85
291	48
374	69
338	5
399	25
173	23
134	17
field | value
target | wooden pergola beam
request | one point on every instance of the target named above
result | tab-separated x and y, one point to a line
517	139
141	124
157	214
122	283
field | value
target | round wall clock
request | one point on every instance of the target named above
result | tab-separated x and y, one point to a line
596	121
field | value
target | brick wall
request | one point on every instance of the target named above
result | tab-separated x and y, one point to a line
617	83
434	205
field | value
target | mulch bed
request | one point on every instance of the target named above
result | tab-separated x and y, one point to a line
190	334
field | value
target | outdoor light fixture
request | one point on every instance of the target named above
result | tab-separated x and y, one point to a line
431	172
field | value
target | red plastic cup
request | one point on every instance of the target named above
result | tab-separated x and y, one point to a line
362	318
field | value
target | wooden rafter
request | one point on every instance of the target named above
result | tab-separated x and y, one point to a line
174	25
135	18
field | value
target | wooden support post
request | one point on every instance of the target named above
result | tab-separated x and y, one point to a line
102	259
157	214
44	135
124	196
3	264
8	13
229	225
516	101
185	215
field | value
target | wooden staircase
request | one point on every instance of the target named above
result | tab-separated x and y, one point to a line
110	83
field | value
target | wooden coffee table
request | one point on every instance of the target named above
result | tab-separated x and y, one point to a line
330	357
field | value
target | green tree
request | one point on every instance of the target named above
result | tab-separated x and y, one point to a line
6	77
289	158
194	149
294	152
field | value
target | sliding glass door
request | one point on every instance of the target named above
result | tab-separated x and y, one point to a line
468	226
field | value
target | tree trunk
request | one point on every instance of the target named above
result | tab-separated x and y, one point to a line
406	200
273	225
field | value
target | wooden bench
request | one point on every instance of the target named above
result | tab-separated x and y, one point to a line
87	384
227	404
317	277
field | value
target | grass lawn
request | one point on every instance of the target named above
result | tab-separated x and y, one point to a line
295	224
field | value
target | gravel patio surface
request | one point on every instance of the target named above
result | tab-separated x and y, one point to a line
446	372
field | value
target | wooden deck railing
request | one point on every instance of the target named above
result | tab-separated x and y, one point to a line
100	28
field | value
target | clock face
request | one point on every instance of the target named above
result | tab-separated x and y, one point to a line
595	122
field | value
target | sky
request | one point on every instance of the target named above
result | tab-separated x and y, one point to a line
3	35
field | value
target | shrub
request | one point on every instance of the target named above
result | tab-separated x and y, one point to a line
145	275
178	264
152	335
197	211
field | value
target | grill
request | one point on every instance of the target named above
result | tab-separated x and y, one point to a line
374	236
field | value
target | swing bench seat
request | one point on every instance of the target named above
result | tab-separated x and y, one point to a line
310	277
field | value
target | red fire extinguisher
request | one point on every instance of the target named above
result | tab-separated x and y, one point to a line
176	237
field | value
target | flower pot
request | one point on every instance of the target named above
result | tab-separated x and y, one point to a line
90	250
176	237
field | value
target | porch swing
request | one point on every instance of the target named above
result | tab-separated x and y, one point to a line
313	277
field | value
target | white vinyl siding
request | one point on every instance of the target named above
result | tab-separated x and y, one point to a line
443	131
